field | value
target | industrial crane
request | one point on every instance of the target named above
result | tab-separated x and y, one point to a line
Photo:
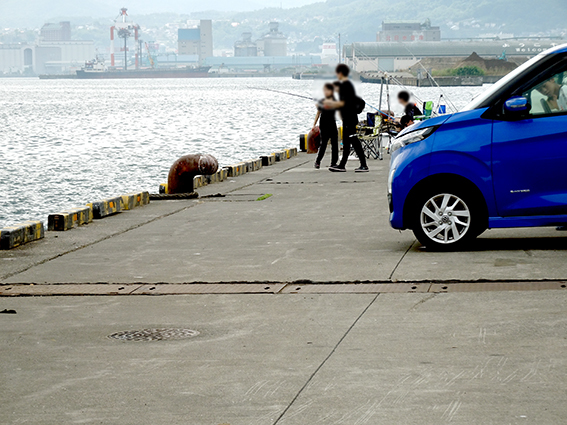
152	64
124	30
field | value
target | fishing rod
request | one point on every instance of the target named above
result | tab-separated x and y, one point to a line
382	112
389	76
432	79
313	99
284	92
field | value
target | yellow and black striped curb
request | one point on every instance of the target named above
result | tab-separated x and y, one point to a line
254	164
280	156
66	220
199	181
106	207
268	160
218	177
135	199
236	170
21	233
73	217
303	142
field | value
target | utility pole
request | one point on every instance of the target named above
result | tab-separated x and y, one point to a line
340	55
125	53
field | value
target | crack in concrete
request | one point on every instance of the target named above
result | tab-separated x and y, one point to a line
78	248
325	360
400	261
423	300
46	260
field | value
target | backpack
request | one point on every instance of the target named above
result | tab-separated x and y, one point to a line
359	105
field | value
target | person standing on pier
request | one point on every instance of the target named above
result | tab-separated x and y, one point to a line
327	127
347	105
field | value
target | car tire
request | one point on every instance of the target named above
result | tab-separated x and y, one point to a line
447	219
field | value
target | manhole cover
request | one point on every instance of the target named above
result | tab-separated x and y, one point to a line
154	334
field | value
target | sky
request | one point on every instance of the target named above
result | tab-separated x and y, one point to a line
29	13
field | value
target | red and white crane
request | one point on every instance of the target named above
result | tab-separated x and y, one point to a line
123	29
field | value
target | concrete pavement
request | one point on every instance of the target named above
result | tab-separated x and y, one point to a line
476	358
317	226
281	340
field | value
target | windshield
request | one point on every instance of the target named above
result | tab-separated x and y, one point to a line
483	97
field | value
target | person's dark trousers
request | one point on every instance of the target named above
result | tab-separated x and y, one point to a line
327	134
350	138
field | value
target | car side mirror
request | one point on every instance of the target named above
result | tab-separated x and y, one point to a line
517	105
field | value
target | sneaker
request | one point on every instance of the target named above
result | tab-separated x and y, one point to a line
337	169
362	169
333	166
561	228
317	165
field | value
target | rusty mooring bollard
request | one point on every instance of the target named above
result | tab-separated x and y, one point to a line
181	173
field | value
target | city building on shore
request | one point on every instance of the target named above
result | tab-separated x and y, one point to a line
53	53
266	54
329	55
245	47
408	31
274	43
196	41
399	56
56	32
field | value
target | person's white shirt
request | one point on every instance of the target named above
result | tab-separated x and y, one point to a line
562	99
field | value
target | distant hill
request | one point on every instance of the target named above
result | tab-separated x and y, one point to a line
310	23
34	13
360	19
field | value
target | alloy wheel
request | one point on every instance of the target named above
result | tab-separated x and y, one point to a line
445	218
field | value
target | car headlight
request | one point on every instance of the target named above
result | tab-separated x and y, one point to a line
411	137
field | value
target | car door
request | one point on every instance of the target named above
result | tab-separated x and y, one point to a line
529	153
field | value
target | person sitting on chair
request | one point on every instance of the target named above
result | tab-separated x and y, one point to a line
410	110
556	95
404	122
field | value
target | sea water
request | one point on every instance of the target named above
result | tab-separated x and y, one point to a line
67	142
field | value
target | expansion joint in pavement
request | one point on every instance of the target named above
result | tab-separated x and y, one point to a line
325	360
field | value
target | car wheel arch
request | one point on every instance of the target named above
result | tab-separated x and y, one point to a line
443	180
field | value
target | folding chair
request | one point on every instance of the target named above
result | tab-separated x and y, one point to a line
369	136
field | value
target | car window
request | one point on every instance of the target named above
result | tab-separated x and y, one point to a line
549	94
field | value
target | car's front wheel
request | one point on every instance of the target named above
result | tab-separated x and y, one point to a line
447	219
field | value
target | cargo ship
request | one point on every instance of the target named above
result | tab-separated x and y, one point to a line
95	70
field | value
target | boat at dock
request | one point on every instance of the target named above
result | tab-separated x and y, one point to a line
58	76
452	81
96	70
200	72
312	76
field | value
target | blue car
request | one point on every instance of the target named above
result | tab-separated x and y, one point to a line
500	162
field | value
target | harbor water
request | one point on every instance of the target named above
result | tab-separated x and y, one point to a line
67	142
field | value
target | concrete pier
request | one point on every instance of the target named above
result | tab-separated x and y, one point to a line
310	308
316	227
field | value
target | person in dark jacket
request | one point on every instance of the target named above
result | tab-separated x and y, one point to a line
410	110
347	107
327	127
